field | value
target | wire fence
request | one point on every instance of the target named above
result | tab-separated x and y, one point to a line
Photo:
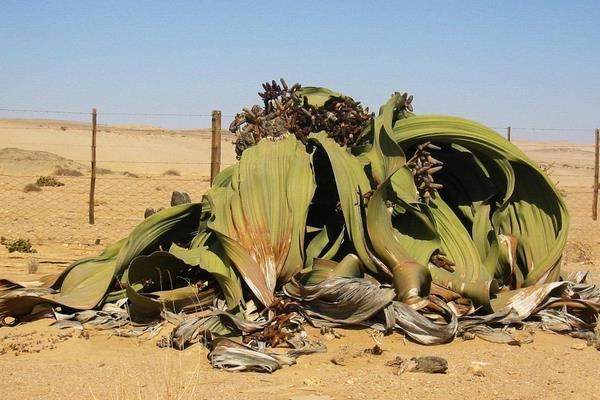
139	166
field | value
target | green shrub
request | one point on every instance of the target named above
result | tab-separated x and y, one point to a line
49	181
20	245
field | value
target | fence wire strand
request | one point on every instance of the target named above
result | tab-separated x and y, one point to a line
111	113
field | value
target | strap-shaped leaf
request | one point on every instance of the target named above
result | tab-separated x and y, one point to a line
412	279
534	211
260	217
86	284
327	242
162	270
218	266
470	277
385	156
351	184
317	96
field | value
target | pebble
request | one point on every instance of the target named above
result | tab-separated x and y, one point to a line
476	368
311	381
579	346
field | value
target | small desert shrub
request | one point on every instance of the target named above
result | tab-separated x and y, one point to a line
103	171
130	174
171	172
60	171
63	128
20	245
49	181
547	168
31	187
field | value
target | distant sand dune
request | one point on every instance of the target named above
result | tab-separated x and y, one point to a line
138	149
19	161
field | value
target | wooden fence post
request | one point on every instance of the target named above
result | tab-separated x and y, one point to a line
215	154
596	166
508	133
93	178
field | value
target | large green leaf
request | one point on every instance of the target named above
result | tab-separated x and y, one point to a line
327	242
218	266
348	267
317	96
260	217
223	178
86	282
155	283
470	277
385	156
532	210
351	184
412	279
171	225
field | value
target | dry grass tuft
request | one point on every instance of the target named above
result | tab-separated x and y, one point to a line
547	168
61	171
31	187
579	252
32	265
171	172
171	380
130	174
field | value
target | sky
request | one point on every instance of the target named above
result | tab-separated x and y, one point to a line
518	63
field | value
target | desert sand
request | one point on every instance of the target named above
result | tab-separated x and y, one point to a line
38	361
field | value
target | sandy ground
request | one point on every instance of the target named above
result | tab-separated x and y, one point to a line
38	361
